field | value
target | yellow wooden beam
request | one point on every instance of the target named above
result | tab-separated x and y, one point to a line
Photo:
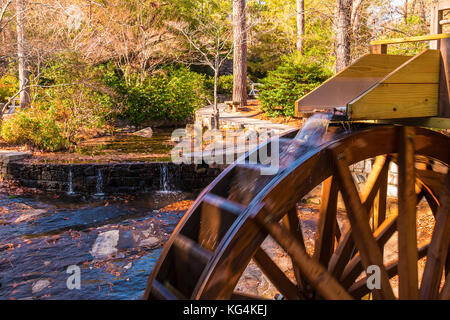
423	68
350	83
427	122
412	39
390	101
444	4
411	90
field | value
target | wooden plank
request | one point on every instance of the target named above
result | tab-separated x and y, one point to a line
423	68
437	254
411	90
406	223
412	39
325	235
189	258
160	292
217	216
394	100
275	275
316	274
350	83
360	228
444	86
196	253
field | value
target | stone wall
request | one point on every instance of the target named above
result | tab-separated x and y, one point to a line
111	178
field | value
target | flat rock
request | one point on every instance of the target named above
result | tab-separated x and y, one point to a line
40	285
146	133
30	215
143	238
105	244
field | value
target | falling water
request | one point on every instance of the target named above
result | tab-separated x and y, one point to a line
313	131
70	182
99	184
164	185
247	183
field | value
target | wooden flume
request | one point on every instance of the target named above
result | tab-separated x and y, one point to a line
223	231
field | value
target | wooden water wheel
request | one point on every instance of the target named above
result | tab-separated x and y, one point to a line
224	230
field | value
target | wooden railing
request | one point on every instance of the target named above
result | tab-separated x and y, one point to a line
380	46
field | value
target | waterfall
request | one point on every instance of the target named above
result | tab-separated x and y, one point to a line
164	185
70	192
99	184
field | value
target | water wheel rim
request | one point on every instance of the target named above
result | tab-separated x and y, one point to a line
195	206
427	143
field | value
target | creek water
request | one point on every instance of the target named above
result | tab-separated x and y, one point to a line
115	242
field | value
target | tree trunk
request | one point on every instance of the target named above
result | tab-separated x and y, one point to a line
24	76
356	16
405	11
300	24
343	11
240	53
215	107
423	15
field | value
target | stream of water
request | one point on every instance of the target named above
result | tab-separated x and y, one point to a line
114	241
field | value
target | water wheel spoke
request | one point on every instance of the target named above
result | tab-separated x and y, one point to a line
275	275
360	229
407	237
382	235
437	254
341	255
293	224
359	289
434	181
379	204
325	235
377	177
343	252
316	274
445	293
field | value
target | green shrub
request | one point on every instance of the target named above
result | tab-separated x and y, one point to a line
296	76
225	84
38	129
169	94
71	104
9	85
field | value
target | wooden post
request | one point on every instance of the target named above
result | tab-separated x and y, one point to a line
444	83
435	26
378	49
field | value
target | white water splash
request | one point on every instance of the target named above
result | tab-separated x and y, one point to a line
99	184
70	192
